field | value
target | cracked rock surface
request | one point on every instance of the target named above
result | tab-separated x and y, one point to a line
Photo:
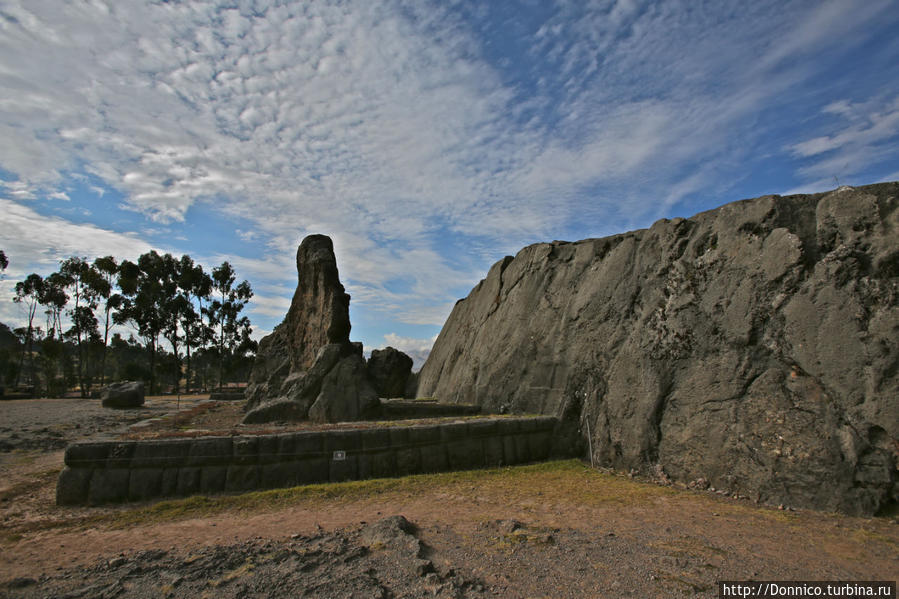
753	346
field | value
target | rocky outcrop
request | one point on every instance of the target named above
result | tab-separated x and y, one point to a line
389	370
754	346
307	367
127	394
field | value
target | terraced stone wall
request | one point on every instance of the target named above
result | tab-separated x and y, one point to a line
118	471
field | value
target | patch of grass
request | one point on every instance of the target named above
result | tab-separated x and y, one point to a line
567	481
40	480
863	535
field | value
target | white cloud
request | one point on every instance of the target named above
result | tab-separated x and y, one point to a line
417	349
855	142
385	125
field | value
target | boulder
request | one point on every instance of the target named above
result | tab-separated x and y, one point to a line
346	393
389	370
127	394
297	365
753	346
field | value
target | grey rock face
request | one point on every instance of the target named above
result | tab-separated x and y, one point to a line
389	370
294	363
127	394
346	393
319	315
754	345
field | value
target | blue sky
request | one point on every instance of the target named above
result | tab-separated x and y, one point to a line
428	139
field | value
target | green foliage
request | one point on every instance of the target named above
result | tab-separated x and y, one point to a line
233	338
162	297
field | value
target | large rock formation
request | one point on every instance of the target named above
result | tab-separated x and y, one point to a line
307	367
755	346
389	370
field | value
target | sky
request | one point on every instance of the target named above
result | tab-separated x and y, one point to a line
427	139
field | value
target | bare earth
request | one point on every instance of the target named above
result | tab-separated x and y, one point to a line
548	530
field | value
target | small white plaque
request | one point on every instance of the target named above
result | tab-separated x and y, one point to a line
339	456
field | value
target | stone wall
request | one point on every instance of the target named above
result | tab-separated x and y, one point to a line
110	471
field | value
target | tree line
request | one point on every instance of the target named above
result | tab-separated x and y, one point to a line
188	324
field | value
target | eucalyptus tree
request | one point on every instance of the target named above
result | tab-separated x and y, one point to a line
174	307
54	299
28	293
106	269
194	285
233	330
53	350
82	281
141	285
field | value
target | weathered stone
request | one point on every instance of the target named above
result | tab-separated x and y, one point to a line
753	345
73	486
308	360
278	410
389	370
127	394
318	315
345	393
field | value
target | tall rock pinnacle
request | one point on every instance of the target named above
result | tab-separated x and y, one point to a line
307	367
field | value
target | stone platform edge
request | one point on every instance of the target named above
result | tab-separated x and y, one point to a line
101	472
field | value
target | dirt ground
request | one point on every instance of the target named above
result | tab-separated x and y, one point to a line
558	529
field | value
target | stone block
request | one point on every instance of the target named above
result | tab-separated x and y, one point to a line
271	448
246	450
314	470
421	436
510	450
399	436
454	431
212	479
242	478
539	444
145	483
87	455
160	454
168	486
383	464
493	451
508	426
188	481
433	458
210	451
349	443
73	486
278	475
376	459
465	454
119	455
309	445
522	448
483	428
109	485
408	460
